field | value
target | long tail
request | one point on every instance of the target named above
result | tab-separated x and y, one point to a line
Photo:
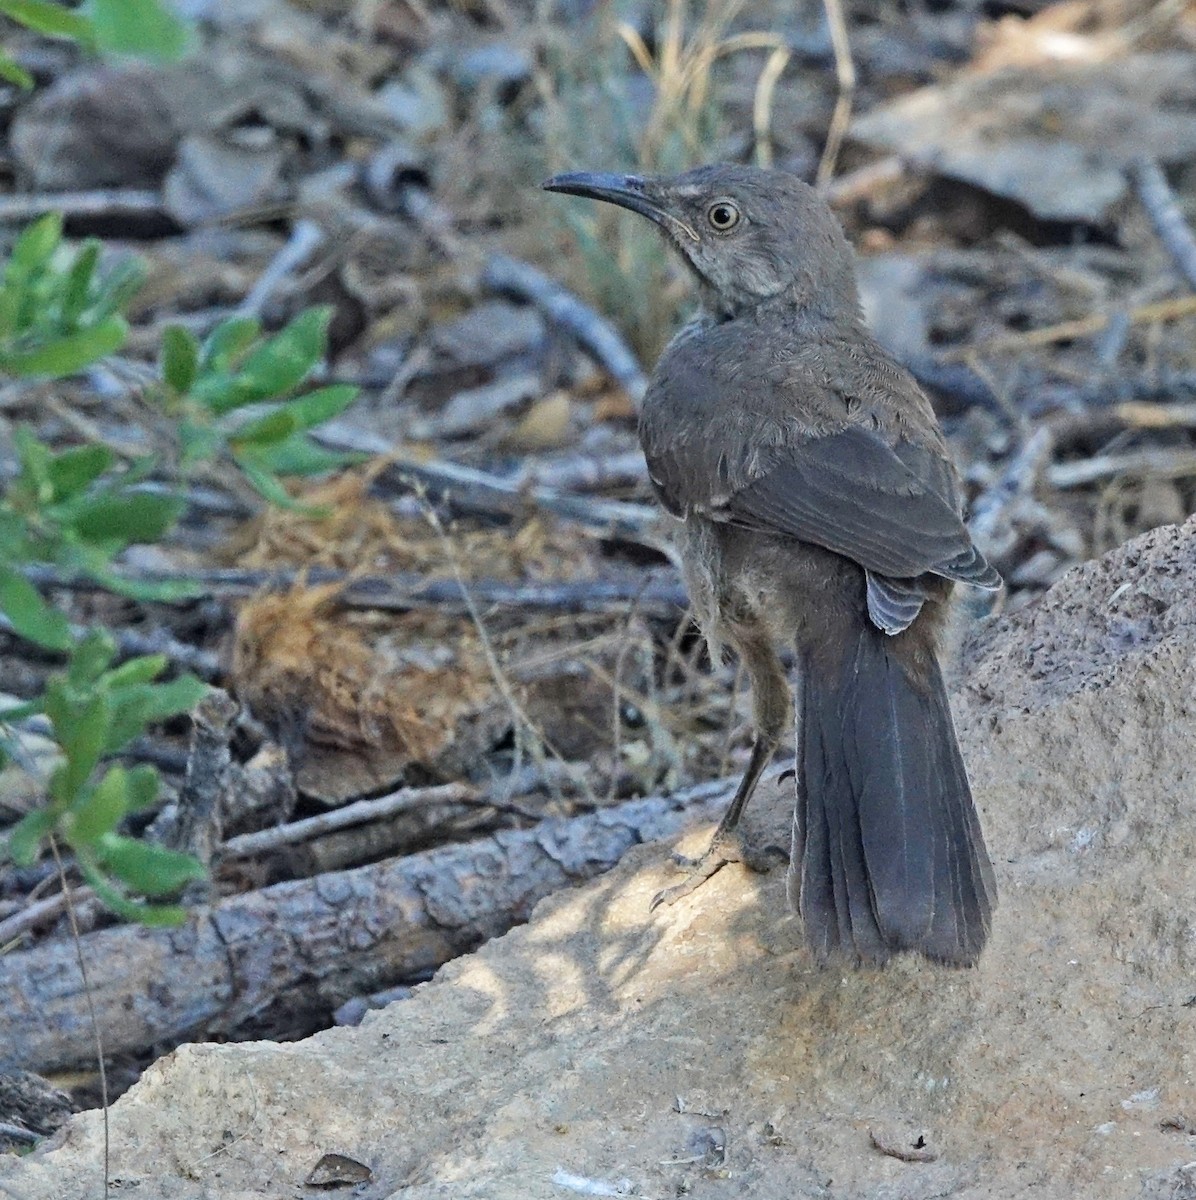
887	849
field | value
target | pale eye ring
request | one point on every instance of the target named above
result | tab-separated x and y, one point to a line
722	215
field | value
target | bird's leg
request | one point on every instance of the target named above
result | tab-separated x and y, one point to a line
772	709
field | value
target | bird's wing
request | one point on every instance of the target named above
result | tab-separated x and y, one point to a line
852	493
892	510
832	444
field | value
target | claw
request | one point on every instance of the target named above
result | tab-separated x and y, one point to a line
722	850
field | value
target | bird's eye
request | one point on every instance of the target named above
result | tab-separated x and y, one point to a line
723	216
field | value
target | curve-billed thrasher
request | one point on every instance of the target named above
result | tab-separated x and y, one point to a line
818	508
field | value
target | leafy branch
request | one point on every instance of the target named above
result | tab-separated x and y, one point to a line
240	397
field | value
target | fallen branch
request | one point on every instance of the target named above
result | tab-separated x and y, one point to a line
658	593
1150	462
308	945
103	202
265	841
1157	199
471	490
130	643
593	333
41	912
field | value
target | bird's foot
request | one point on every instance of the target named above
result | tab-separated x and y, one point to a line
724	848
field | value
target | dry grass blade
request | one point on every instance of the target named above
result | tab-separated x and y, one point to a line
845	75
1066	331
778	60
523	723
91	1009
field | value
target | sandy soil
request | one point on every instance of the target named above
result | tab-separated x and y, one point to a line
698	1052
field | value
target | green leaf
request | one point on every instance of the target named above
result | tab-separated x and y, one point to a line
19	712
26	837
11	73
280	364
29	613
180	358
120	285
147	869
71	353
145	28
198	442
143	787
91	658
93	562
152	915
77	290
72	470
81	727
136	671
131	517
35	247
299	455
321	405
35	458
53	19
101	811
274	427
136	707
175	697
270	487
230	338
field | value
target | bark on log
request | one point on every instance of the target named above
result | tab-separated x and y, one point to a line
310	944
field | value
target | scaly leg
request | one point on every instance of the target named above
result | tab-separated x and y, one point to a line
772	708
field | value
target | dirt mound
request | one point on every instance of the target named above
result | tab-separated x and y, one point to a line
602	1051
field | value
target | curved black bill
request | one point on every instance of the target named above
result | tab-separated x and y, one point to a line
627	191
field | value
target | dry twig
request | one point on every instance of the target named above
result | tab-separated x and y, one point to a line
1159	202
594	333
265	841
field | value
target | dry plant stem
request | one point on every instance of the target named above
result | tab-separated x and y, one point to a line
40	911
595	334
104	202
202	798
1065	331
470	490
1019	478
845	76
306	238
522	722
1159	202
130	643
314	943
586	472
660	595
19	1134
778	60
248	845
1140	414
93	1020
1150	462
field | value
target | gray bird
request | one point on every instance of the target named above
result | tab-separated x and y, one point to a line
818	508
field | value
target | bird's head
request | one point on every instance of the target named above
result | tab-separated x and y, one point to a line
750	235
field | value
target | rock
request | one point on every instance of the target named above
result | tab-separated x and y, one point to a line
601	1050
500	66
1056	140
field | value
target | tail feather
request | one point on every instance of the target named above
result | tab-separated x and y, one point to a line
888	853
